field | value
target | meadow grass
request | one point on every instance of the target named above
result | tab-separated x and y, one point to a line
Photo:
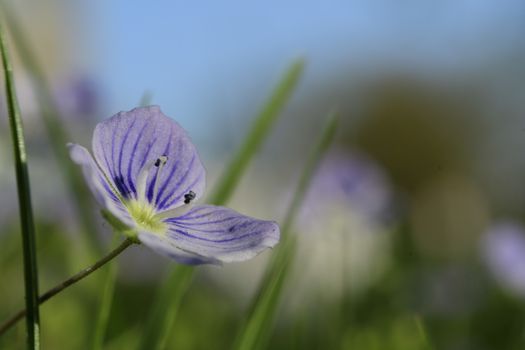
24	199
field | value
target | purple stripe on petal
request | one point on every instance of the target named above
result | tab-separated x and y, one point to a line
145	157
124	140
230	239
107	188
224	228
221	234
113	137
193	211
128	140
200	229
154	179
165	183
96	181
109	168
121	176
181	222
121	186
132	157
149	191
177	184
190	187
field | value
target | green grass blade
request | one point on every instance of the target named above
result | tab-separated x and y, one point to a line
156	334
184	277
58	135
105	307
146	98
255	331
24	198
318	152
420	326
257	134
258	325
159	323
106	302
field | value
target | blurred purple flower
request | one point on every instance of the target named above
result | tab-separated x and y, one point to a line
80	96
503	248
353	181
343	240
147	173
340	246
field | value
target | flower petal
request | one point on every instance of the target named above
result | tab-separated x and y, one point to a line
126	142
215	234
166	247
98	184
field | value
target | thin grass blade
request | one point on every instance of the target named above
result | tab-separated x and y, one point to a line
146	98
156	334
163	318
426	344
24	199
258	325
106	302
257	134
58	135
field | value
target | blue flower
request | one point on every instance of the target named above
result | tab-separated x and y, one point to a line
503	249
147	173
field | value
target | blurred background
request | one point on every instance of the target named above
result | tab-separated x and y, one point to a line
412	231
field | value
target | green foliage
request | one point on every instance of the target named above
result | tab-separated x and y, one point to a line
257	328
24	198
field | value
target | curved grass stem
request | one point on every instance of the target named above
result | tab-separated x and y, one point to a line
68	282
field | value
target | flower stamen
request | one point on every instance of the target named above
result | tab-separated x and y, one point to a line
188	197
179	211
142	178
159	163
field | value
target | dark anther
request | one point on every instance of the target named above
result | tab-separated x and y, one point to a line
188	197
161	160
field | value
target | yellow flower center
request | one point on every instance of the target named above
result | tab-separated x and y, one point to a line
143	212
145	216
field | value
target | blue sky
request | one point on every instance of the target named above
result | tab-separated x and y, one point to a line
209	60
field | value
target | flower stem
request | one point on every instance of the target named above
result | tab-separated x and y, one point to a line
70	281
24	200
